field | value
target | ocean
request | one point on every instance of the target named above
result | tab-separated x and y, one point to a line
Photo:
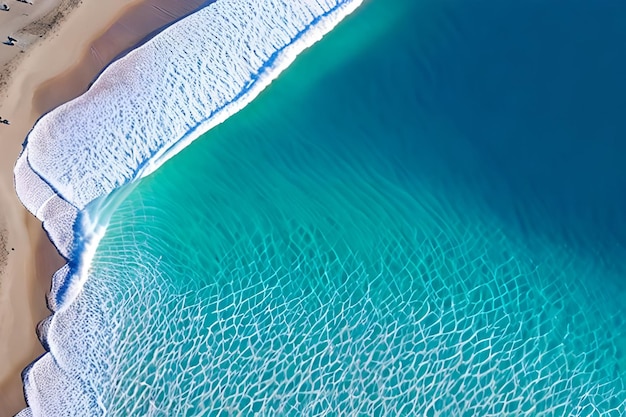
422	215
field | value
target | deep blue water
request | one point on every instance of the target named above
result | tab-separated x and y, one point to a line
536	89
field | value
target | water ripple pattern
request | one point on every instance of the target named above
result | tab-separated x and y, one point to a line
142	110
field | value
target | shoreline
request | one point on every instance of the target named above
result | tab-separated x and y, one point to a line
51	200
35	191
138	20
41	78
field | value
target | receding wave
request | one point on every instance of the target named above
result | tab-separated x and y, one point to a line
143	109
149	105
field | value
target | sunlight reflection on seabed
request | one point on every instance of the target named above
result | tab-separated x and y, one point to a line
295	316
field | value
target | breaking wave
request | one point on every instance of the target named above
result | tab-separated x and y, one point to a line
143	109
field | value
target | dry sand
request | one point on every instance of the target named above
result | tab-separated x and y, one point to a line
62	45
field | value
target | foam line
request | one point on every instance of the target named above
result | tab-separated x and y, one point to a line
150	104
142	110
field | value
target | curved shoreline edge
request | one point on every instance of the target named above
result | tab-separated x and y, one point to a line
145	108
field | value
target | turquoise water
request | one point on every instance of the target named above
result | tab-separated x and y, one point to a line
422	216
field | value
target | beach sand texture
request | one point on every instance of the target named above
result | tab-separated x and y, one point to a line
61	46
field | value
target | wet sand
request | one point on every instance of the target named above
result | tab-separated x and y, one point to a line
62	45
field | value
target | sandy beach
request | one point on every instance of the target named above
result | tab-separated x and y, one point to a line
61	46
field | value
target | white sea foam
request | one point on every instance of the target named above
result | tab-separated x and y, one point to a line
152	103
142	110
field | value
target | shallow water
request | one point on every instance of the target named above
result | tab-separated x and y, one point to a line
423	215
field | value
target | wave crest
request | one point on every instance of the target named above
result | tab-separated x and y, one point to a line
142	110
